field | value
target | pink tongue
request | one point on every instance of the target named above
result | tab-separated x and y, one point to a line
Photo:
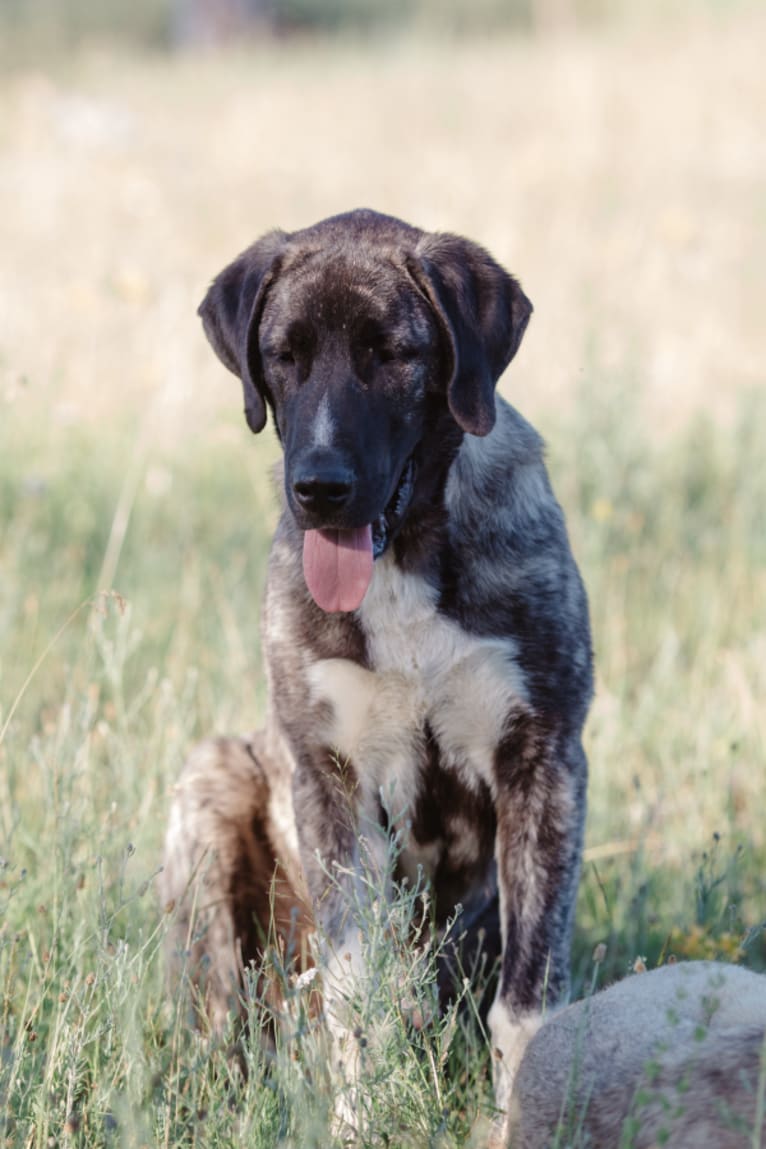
337	566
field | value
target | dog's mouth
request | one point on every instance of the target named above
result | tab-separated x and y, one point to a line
390	519
337	564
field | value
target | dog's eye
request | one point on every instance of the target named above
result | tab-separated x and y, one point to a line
407	354
393	354
298	344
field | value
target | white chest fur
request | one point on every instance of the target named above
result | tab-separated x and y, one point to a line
425	671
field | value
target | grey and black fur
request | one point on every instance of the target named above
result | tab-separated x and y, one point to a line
450	705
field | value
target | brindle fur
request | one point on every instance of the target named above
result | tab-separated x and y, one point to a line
233	873
453	700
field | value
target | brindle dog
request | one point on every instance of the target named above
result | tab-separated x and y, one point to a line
425	626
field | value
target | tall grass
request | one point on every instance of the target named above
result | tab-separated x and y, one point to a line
94	1050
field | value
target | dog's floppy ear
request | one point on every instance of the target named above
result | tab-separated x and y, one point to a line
230	314
483	313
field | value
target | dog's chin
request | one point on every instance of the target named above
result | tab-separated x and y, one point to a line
388	522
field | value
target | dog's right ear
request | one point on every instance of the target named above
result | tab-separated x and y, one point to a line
231	312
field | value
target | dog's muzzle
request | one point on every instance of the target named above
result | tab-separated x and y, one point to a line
337	562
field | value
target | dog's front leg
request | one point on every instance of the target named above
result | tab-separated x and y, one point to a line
539	779
343	848
344	857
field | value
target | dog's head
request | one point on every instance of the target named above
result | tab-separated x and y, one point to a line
366	337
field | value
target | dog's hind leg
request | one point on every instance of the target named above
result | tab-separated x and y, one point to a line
229	875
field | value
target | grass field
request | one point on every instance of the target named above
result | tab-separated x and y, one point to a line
622	175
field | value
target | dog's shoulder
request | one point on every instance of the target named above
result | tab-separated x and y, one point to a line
509	568
498	489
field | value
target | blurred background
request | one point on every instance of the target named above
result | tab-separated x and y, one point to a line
612	154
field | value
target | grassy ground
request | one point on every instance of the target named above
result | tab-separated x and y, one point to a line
625	179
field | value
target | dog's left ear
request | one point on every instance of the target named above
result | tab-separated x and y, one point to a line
231	312
483	313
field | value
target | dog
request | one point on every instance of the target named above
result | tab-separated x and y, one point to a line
672	1057
425	626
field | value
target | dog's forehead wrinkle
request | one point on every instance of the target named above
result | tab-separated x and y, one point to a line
343	289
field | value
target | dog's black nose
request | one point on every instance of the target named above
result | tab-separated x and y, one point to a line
322	488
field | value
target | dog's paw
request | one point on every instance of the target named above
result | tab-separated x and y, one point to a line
510	1034
488	1133
345	1123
